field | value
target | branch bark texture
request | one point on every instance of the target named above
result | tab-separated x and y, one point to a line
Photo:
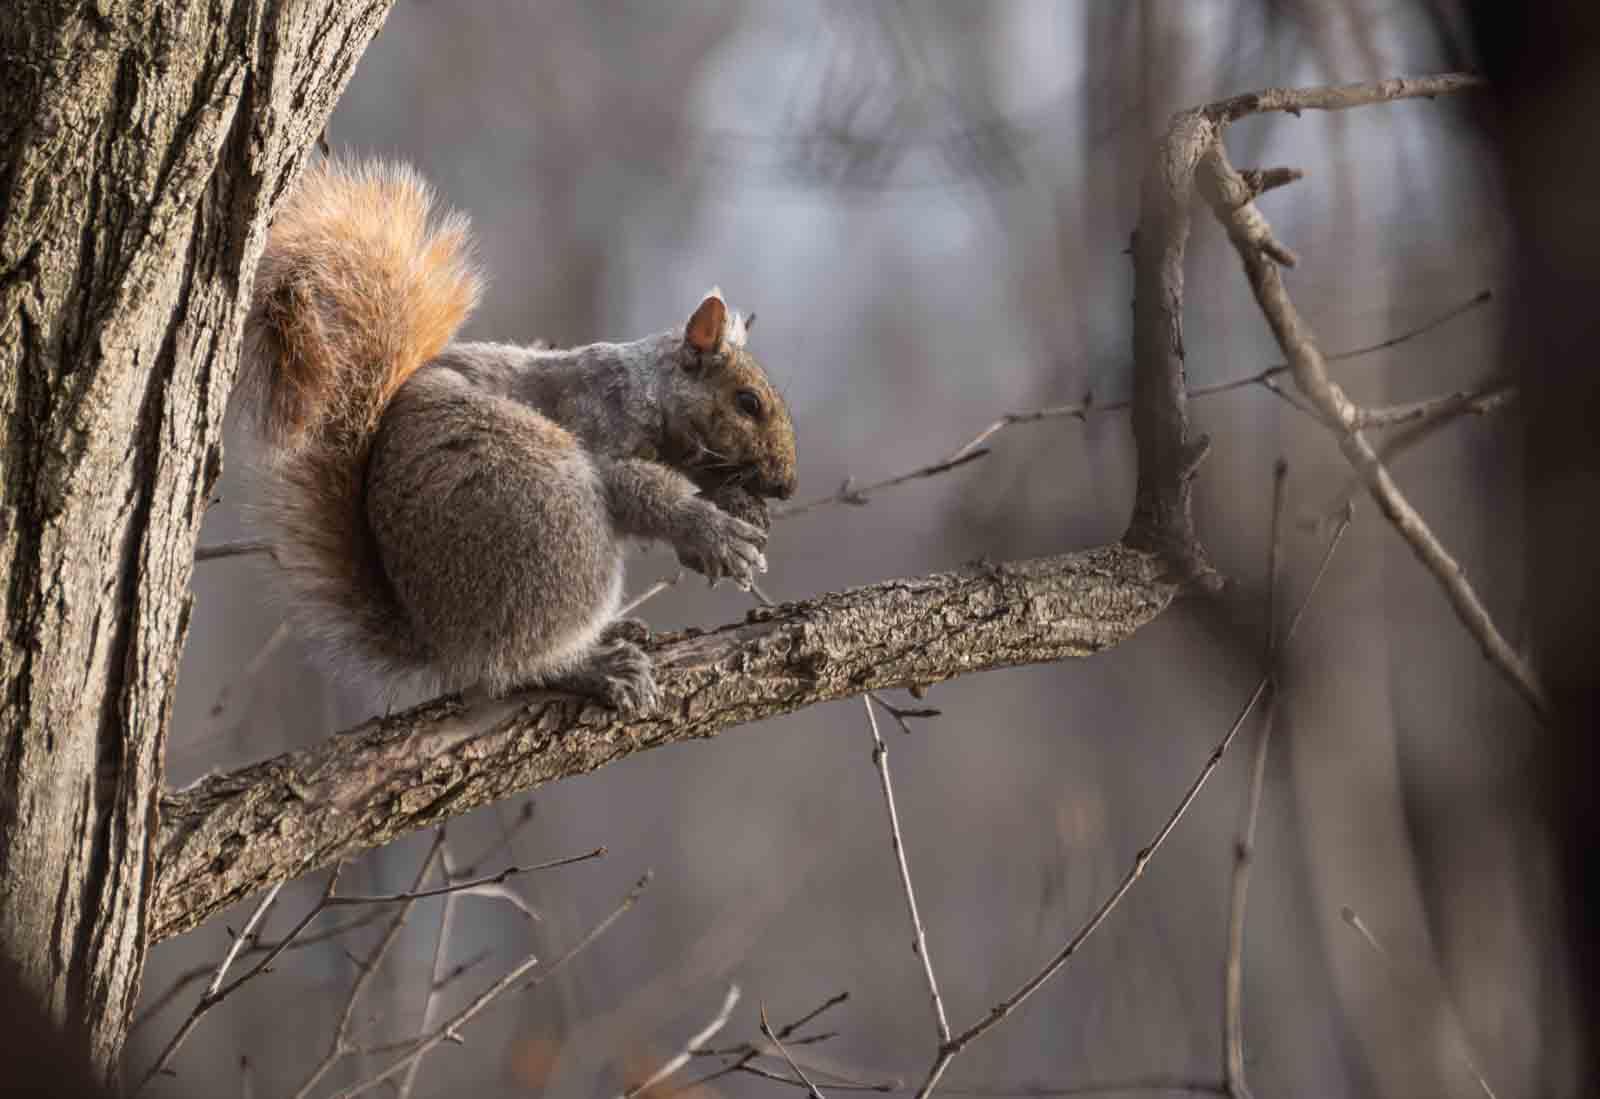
142	147
231	835
1163	518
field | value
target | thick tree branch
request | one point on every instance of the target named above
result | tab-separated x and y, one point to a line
1168	459
231	835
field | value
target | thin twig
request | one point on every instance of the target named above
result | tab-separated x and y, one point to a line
461	969
693	1045
1447	410
247	679
903	714
436	981
747	1053
1485	398
189	977
797	1082
467	886
340	1045
503	842
767	1032
424	1044
972	449
919	938
649	593
1248	230
856	495
241	547
1244	848
1464	1051
1152	1085
214	993
1005	1007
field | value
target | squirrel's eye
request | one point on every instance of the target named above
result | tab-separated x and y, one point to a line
749	403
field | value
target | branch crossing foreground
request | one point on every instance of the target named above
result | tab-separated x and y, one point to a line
230	835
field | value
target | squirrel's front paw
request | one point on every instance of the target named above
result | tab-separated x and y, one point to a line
620	674
714	543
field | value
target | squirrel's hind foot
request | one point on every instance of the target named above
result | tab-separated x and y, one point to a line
636	630
618	673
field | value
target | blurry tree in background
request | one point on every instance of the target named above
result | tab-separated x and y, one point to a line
930	207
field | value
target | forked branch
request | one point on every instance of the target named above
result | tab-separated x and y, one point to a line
1251	235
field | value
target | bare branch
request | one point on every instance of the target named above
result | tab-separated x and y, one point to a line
1463	1048
1152	1085
973	448
213	994
467	886
1244	847
426	1043
243	547
189	977
919	939
1247	228
340	1045
437	978
903	714
767	1032
1005	1007
1168	458
247	681
1484	399
1340	97
746	1053
1443	412
650	593
230	835
851	493
795	1081
691	1047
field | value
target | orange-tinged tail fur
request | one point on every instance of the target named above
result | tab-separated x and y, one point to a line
362	282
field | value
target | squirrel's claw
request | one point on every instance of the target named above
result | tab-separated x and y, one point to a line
620	674
721	546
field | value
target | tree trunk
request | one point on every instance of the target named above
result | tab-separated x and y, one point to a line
145	146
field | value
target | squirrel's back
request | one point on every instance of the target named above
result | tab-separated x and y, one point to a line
361	283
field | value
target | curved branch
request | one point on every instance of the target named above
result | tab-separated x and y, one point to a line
233	834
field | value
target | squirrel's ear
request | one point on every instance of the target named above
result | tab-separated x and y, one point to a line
704	330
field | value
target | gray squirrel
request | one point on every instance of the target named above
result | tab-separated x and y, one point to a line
457	512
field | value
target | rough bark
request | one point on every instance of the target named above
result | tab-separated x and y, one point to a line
144	146
1163	518
233	834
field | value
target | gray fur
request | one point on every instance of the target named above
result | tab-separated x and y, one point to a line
501	485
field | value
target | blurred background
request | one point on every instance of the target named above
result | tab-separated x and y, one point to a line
928	204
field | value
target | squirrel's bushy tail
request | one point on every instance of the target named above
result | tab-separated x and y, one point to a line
361	283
